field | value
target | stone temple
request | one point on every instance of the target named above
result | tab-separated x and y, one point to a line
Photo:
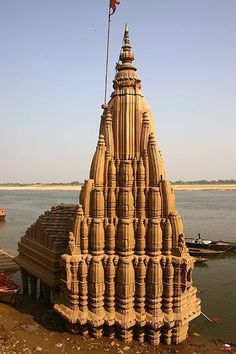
117	263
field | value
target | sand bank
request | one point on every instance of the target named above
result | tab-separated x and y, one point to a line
31	327
177	187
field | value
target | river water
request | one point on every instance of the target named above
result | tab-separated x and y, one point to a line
212	213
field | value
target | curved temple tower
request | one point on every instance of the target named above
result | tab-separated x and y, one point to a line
127	269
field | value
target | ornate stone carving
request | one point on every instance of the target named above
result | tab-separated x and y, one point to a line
126	269
72	248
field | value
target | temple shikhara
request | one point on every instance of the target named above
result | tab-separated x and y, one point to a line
117	263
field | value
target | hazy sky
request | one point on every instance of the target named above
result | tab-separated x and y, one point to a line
52	59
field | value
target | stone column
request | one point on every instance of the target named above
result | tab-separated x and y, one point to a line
25	281
33	285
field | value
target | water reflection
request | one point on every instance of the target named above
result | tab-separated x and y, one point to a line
2	226
201	265
210	213
224	255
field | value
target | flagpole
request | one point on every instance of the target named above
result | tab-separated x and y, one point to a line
107	53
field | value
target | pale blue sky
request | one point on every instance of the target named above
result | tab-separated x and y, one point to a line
52	84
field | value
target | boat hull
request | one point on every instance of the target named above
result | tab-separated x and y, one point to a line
214	245
9	290
2	214
198	252
200	260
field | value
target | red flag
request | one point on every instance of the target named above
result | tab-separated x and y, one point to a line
113	4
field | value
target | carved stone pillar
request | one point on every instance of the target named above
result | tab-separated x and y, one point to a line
154	286
140	286
145	132
25	281
177	287
112	174
33	285
111	203
140	174
98	203
125	203
139	304
125	285
140	240
40	291
125	237
166	335
96	285
125	290
77	225
167	237
84	237
110	238
153	335
154	203
83	286
126	177
179	333
166	197
154	237
168	286
97	238
110	286
140	204
46	293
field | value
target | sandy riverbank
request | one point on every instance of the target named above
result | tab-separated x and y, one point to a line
177	187
31	327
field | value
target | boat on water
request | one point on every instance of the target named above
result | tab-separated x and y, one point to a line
7	262
199	252
9	290
202	243
2	214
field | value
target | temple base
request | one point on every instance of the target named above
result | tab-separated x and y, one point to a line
174	335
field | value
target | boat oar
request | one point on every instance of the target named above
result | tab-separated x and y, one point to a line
214	319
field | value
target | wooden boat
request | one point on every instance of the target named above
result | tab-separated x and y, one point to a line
2	214
203	252
7	262
9	290
210	245
200	260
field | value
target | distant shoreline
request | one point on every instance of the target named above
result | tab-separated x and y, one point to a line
177	187
43	187
204	187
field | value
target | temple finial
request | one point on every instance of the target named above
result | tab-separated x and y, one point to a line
126	55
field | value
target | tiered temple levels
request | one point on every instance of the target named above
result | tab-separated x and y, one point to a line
125	268
40	251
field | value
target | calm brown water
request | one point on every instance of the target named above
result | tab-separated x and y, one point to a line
212	213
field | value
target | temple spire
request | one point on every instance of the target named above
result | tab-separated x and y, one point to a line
126	72
126	55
